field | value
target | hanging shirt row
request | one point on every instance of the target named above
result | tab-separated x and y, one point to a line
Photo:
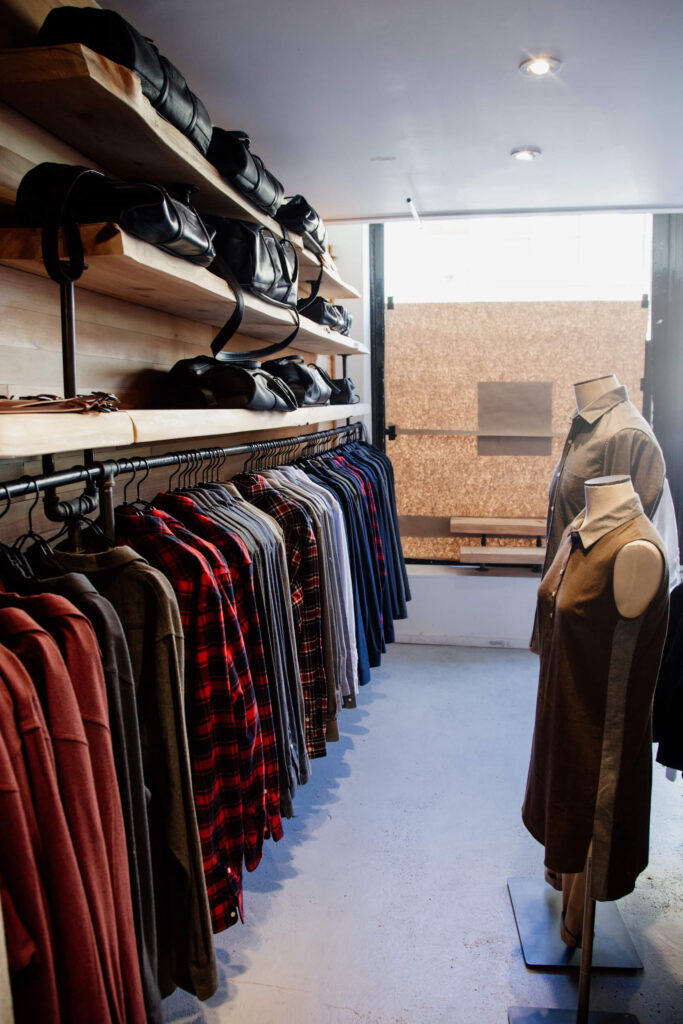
160	702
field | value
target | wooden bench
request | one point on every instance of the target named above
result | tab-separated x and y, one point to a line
484	527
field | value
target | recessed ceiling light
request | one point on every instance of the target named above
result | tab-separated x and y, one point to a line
526	153
540	67
381	159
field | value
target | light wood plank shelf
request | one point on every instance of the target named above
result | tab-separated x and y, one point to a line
153	425
99	108
40	433
473	526
488	555
127	268
331	286
28	434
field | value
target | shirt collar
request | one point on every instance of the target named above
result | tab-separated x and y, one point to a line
592	532
599	406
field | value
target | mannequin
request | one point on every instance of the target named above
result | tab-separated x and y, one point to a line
607	436
602	621
638	570
586	391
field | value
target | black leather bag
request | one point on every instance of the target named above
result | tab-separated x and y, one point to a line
298	215
343	389
110	35
250	258
59	197
261	263
230	154
206	383
323	312
306	382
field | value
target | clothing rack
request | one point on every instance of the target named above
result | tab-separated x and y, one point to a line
99	476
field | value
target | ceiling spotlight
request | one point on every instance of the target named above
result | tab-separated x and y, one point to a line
540	67
526	153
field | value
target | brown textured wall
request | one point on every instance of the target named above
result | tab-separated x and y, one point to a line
437	353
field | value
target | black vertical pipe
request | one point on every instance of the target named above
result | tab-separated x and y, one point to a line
667	349
587	936
377	333
68	309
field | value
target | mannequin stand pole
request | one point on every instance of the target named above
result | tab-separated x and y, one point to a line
538	908
582	1014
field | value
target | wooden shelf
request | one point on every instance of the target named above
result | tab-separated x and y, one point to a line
153	424
472	526
331	286
99	108
489	555
39	433
126	268
29	434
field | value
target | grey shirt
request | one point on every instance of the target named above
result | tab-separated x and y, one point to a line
608	436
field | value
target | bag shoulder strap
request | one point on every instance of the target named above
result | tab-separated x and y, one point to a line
67	182
232	326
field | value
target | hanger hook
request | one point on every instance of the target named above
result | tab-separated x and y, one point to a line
30	511
8	499
145	463
129	463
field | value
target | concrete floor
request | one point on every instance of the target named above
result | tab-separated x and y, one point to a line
386	901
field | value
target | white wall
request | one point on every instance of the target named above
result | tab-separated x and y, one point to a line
463	607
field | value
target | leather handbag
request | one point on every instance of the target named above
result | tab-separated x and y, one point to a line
230	154
110	35
337	318
59	197
306	382
343	389
250	258
206	383
298	215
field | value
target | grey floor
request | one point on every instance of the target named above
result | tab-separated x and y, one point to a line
386	901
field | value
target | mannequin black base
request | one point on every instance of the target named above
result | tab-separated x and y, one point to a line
538	907
530	1015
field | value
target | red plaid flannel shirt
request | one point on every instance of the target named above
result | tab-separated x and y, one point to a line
302	558
247	719
241	582
210	707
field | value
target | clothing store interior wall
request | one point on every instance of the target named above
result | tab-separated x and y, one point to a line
341	505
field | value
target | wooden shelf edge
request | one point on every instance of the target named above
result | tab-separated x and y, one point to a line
29	434
127	268
25	435
153	424
27	74
93	104
331	286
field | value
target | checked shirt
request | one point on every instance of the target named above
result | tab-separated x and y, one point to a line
302	556
241	591
213	705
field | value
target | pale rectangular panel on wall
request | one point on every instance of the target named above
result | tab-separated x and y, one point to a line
514	417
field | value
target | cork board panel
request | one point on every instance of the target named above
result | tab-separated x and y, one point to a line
436	356
436	353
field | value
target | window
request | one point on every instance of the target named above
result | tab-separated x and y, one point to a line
491	321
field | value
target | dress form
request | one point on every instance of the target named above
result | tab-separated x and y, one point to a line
586	391
638	568
638	571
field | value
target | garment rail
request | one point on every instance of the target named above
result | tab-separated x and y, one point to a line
99	476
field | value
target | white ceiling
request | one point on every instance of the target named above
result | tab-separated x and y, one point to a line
322	88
